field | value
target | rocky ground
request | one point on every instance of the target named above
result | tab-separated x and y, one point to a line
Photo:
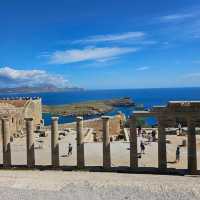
53	185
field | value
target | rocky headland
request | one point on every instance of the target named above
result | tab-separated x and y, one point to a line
88	108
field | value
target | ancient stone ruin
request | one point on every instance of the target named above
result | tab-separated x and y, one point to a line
17	109
167	116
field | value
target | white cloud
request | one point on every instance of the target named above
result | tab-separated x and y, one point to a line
10	77
113	37
180	26
88	54
177	17
142	68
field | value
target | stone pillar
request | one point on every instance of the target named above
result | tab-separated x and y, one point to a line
54	142
80	143
192	154
106	143
30	139
6	142
162	156
133	143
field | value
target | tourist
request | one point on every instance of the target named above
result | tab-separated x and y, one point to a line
139	130
177	154
142	147
143	133
149	137
153	134
69	150
179	128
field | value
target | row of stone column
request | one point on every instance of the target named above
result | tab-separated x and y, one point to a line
162	154
7	142
80	142
162	158
30	140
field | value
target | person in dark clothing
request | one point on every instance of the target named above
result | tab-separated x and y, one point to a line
178	154
142	147
153	134
69	150
139	130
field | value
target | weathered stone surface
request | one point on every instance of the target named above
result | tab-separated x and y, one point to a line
54	142
6	142
18	109
133	143
30	138
80	143
106	143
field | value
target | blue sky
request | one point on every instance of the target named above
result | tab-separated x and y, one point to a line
100	44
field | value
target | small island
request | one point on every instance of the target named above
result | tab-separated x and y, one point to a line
88	108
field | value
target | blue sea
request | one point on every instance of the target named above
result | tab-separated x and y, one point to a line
147	97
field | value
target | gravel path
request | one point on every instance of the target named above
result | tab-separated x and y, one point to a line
55	185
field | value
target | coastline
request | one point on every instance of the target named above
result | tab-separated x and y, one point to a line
88	108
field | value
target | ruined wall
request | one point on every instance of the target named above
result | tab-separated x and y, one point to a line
33	109
96	124
16	110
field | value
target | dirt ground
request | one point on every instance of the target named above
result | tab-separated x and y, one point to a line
120	153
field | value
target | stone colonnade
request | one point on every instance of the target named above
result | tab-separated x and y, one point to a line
162	153
55	162
162	160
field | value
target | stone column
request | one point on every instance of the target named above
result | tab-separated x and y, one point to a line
80	143
106	143
133	143
162	156
192	154
54	142
6	142
30	139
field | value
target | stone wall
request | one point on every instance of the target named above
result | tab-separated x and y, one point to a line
33	109
16	110
96	124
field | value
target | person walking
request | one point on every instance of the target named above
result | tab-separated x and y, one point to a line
142	147
177	154
139	130
69	150
179	128
153	135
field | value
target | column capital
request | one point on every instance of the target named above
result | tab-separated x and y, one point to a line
5	119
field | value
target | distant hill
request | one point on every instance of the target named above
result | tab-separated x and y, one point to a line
38	89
